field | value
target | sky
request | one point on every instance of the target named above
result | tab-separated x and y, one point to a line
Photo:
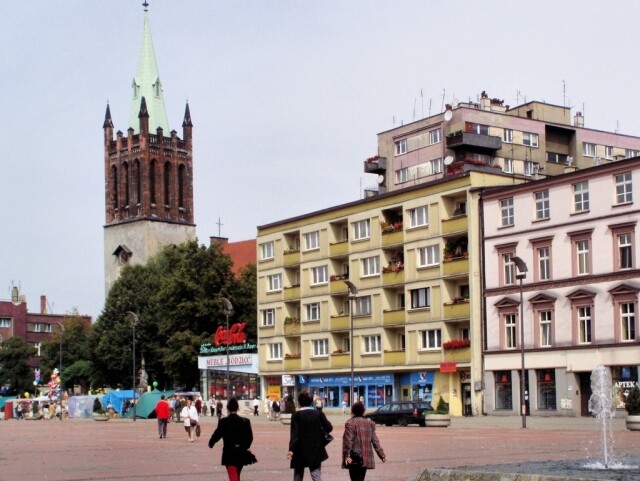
286	97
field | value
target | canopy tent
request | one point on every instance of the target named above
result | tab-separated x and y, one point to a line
5	399
81	406
117	400
146	406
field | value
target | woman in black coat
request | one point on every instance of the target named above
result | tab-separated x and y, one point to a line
237	436
306	442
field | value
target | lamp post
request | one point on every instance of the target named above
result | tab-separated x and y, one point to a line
353	292
228	310
133	326
61	333
521	274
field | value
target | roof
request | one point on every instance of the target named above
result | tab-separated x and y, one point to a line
242	253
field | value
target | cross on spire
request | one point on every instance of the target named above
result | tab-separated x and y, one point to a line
145	5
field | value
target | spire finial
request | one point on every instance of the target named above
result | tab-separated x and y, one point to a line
145	5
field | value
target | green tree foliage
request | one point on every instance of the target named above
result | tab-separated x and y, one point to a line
14	365
176	297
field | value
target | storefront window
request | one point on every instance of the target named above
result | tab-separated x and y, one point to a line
504	398
624	379
546	389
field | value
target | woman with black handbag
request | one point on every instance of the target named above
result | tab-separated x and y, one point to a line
237	436
191	419
358	443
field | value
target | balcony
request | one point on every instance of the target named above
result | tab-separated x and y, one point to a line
478	142
454	267
341	359
291	293
375	165
337	285
455	224
392	238
457	355
291	326
339	249
339	323
390	318
292	364
392	277
457	310
394	358
291	258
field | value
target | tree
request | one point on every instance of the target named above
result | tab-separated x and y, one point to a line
14	365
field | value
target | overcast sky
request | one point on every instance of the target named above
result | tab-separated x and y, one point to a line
286	99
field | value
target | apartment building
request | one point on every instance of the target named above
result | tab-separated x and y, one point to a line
577	235
534	140
413	256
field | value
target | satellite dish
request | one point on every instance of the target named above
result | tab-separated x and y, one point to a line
448	160
455	103
447	115
380	179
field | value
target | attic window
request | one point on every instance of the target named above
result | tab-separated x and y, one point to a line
123	253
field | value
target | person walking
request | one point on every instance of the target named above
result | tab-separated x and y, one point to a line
357	442
219	409
256	406
237	436
306	440
163	413
190	415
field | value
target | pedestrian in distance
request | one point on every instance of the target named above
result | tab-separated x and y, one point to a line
219	409
358	443
275	407
307	439
237	436
190	415
256	406
163	413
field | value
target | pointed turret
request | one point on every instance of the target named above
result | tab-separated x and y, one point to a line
187	128
107	118
147	84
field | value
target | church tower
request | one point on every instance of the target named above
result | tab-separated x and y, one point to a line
148	175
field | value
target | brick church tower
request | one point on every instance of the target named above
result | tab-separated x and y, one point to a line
148	175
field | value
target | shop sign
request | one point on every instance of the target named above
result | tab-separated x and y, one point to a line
288	380
234	339
449	366
236	360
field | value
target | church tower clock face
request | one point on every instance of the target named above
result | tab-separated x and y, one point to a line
148	172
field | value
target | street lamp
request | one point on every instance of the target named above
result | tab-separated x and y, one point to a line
133	325
61	333
228	310
353	292
521	274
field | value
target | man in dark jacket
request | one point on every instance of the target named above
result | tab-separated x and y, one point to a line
306	441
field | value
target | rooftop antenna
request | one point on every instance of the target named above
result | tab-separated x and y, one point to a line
429	107
564	93
422	102
414	108
443	94
219	224
617	126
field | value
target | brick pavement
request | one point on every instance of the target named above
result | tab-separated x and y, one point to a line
74	450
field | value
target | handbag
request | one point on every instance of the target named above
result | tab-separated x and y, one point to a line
249	458
326	438
198	430
356	458
194	423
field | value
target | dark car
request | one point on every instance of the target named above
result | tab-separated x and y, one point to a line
400	412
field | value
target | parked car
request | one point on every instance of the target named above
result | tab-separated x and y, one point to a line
400	412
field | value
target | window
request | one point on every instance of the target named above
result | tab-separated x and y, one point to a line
436	166
362	229
266	250
268	317
402	175
508	166
420	298
435	137
530	168
628	321
508	269
631	153
477	128
419	216
546	389
319	275
506	212
584	324
274	282
542	204
371	266
320	347
371	344
582	256
507	136
312	240
5	322
275	351
608	152
41	327
625	251
313	311
431	339
545	328
428	256
504	398
581	197
624	190
363	306
510	331
544	263
588	150
401	147
530	139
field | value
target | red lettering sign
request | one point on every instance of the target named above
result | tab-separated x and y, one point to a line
235	335
450	366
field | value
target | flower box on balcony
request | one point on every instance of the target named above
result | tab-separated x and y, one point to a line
292	356
457	344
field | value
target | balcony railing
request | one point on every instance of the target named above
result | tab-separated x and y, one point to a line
292	364
458	355
394	358
375	165
291	258
392	238
340	360
458	310
390	318
339	249
476	141
291	293
455	224
339	323
394	277
455	266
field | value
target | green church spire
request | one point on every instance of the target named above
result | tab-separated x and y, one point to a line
147	84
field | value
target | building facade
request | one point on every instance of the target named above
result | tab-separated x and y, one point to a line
413	329
577	235
534	140
148	175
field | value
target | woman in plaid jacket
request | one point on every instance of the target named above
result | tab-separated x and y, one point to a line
360	438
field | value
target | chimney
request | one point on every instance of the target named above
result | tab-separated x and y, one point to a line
43	304
578	120
15	295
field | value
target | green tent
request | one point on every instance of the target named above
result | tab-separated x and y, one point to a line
146	405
